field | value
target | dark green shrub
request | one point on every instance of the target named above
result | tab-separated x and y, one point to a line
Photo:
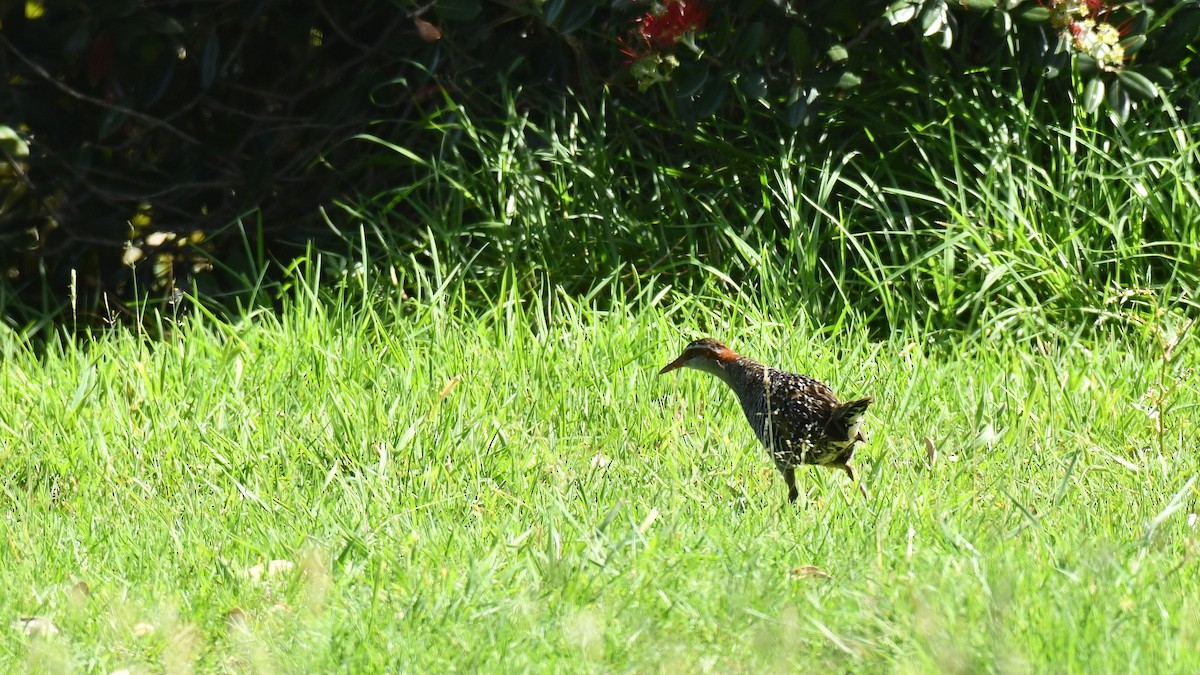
140	135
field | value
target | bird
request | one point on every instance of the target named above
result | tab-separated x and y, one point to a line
797	418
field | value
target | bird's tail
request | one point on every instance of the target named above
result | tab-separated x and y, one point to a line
846	420
851	412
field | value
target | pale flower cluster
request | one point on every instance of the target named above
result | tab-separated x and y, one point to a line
1100	40
1065	12
1091	35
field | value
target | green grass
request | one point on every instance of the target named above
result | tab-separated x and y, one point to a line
472	465
970	205
512	489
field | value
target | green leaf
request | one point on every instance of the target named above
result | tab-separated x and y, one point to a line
576	16
208	60
748	41
848	80
458	10
689	79
1055	63
167	25
1140	23
710	99
797	111
1002	22
901	12
1093	94
1133	43
1035	14
1118	102
553	9
837	53
1087	65
166	72
12	143
933	17
978	5
946	38
1159	75
798	48
753	85
1137	84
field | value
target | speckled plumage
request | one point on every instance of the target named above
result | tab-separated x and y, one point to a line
798	419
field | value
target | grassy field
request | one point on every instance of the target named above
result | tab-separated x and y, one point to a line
516	490
470	464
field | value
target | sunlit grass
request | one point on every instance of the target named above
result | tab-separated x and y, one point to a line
994	212
513	488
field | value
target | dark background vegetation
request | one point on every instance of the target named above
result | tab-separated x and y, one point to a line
178	145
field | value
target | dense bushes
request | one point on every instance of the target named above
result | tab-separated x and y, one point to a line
148	130
148	142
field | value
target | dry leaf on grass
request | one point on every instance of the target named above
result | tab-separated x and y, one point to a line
808	572
273	569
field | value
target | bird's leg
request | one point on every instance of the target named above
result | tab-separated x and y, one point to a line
850	472
789	477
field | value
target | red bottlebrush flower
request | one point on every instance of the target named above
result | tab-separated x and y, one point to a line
677	18
1065	12
630	51
647	50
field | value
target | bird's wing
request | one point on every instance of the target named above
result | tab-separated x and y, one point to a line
800	407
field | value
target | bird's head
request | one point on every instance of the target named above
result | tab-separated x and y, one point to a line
704	354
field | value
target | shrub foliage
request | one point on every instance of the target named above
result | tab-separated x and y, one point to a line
138	135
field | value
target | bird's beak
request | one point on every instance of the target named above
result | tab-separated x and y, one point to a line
677	363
